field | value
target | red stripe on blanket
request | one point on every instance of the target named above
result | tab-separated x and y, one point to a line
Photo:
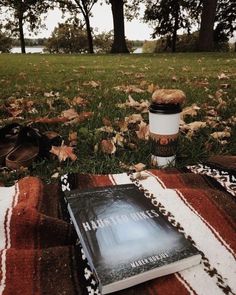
22	276
199	200
25	217
162	286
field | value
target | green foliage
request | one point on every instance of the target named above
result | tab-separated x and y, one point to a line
103	42
5	42
185	43
27	11
149	46
67	38
167	17
225	20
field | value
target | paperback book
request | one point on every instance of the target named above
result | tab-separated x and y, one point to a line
126	239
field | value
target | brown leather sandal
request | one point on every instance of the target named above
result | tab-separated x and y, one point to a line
31	144
8	140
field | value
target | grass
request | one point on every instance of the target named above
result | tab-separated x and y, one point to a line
31	76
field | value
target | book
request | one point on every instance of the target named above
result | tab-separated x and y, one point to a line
126	239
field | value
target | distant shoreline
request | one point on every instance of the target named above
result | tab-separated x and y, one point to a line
39	49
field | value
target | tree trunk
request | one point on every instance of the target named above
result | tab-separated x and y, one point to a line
21	33
89	33
119	43
206	42
176	26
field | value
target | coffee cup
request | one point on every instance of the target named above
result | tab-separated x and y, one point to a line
164	118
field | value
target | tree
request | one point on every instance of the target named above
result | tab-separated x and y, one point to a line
5	41
225	21
84	7
22	12
206	42
119	42
67	38
168	16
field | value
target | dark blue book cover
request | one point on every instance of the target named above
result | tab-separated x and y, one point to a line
126	239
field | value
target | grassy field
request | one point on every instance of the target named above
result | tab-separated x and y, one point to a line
49	83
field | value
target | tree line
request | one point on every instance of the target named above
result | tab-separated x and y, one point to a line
214	19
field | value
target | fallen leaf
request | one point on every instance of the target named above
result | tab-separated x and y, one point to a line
136	167
143	132
119	139
224	85
134	118
174	78
93	84
108	146
79	101
139	75
129	89
223	76
190	111
107	129
63	152
73	136
69	114
151	88
220	134
51	94
106	121
139	167
47	120
81	117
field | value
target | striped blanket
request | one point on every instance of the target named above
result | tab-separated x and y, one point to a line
40	254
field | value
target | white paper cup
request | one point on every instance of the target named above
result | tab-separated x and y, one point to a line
164	129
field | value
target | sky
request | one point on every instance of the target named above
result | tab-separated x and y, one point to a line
102	22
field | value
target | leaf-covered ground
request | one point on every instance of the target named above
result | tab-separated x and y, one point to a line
99	105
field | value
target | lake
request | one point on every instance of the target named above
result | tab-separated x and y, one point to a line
39	49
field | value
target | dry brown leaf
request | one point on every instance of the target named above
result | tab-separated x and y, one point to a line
129	89
69	114
47	120
151	88
139	75
63	152
136	167
73	136
134	118
79	101
220	134
202	83
107	129
223	76
174	78
190	111
51	134
139	167
225	85
222	104
143	132
106	121
51	94
119	139
93	84
123	125
194	126
108	146
81	117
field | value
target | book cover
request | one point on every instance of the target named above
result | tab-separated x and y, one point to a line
126	239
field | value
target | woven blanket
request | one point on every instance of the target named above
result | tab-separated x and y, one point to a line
40	254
